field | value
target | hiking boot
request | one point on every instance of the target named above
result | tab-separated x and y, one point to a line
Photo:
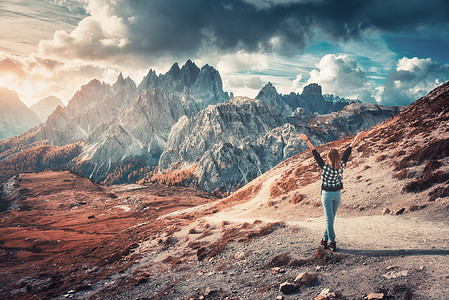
324	244
333	246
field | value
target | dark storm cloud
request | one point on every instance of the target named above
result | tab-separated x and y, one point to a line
175	27
179	25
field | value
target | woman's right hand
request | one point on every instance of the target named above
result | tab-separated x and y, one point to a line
362	135
303	137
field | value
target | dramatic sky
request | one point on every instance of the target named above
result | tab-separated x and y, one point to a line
386	51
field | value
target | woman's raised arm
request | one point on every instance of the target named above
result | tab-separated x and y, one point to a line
304	137
359	137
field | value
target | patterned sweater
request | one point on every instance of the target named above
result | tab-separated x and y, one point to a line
331	179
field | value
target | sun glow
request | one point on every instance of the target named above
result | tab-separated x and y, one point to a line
29	92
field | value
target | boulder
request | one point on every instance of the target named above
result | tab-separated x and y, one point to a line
305	278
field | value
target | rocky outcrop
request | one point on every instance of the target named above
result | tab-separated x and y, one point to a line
238	122
114	125
95	103
15	116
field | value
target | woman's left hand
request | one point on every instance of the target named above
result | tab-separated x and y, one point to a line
303	137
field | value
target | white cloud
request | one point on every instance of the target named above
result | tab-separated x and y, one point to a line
340	75
412	79
240	62
24	23
34	77
296	83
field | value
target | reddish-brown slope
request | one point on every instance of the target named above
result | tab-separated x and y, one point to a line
65	232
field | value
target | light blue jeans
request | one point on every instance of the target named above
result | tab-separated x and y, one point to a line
331	201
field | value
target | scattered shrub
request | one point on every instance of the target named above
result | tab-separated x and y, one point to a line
280	260
381	158
439	192
426	181
433	151
297	198
432	165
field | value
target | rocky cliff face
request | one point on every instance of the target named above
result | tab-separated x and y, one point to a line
140	129
234	142
114	124
15	116
45	107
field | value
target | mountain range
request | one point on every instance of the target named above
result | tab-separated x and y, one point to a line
63	236
182	121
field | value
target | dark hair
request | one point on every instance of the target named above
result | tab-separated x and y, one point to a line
334	158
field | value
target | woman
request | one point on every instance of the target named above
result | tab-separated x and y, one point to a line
331	184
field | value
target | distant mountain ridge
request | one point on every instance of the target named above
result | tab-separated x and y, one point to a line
311	100
177	120
15	116
46	106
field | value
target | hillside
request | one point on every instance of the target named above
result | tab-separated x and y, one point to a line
129	242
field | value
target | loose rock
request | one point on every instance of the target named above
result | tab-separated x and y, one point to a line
375	296
399	211
277	270
305	278
393	274
287	288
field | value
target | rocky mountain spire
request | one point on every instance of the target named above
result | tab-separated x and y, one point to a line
270	96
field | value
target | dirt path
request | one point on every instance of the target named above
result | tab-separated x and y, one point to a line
381	233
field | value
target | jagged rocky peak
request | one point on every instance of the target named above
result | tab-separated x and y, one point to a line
268	89
150	81
184	76
120	79
272	98
174	71
312	89
222	127
189	72
87	94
